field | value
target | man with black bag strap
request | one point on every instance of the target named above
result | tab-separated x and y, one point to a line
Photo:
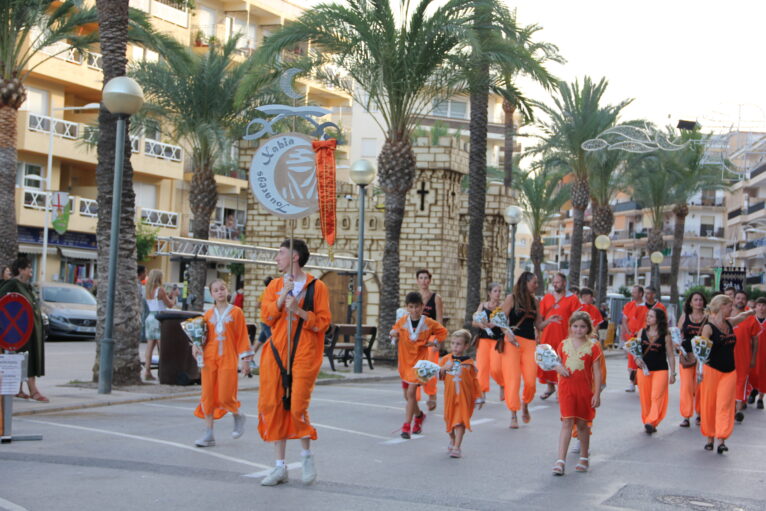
292	358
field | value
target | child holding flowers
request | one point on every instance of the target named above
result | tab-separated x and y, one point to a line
579	387
461	390
227	346
413	334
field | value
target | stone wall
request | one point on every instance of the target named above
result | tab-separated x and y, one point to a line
434	232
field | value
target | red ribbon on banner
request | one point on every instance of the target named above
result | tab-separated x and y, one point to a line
325	161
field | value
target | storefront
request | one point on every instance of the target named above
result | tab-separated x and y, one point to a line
71	256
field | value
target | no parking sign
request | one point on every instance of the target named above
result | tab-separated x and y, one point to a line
16	321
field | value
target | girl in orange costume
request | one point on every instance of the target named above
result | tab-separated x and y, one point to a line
518	357
488	359
719	379
579	388
461	390
413	333
690	323
658	358
433	307
227	344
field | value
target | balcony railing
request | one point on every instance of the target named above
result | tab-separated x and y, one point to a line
223	232
159	218
64	129
166	11
760	242
36	199
162	150
88	207
94	60
752	208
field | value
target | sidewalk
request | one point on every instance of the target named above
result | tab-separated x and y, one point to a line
68	368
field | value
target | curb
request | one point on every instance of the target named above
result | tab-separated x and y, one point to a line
161	397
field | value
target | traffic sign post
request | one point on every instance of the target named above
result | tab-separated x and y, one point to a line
16	325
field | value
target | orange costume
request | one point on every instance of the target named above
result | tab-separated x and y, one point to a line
275	422
488	360
636	314
758	374
690	396
411	345
556	332
743	353
595	315
576	390
718	387
653	388
227	343
461	391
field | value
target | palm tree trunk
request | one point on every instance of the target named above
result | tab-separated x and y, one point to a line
203	197
537	253
8	230
510	132
680	211
113	29
594	267
396	167
603	220
580	198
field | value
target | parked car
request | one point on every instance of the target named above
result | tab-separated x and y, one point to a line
71	310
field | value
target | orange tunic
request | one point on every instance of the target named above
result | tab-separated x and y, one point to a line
758	373
274	422
412	350
595	315
743	353
461	390
556	332
576	390
221	355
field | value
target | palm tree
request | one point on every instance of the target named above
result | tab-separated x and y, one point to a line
692	176
117	25
499	41
396	62
205	102
576	116
541	195
27	27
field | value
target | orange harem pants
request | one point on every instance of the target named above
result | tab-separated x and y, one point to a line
717	397
488	363
653	391
517	364
219	390
690	394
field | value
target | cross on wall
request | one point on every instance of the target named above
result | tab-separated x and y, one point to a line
423	192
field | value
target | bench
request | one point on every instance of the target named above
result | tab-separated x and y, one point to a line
341	338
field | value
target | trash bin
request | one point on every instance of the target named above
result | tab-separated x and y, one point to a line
177	364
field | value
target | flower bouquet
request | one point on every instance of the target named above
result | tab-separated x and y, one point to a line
675	335
400	313
196	330
633	346
500	320
481	317
546	358
426	370
701	346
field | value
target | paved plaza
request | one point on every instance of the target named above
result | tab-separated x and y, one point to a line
141	456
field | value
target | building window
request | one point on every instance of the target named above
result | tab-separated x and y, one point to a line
707	226
706	252
29	176
449	108
37	102
146	195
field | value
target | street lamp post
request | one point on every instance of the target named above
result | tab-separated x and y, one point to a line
512	215
362	173
123	97
48	172
657	257
602	243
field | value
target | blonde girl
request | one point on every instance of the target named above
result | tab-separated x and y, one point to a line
156	300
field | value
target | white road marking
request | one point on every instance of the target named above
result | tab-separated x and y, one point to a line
197	450
264	473
10	506
538	407
481	421
355	403
400	440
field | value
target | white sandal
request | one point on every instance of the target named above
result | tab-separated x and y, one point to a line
580	467
559	467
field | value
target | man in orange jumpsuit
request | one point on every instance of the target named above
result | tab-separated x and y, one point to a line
745	350
287	379
557	306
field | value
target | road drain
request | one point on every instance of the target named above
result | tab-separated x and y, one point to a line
698	503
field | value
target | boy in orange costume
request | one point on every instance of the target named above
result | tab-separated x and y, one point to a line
461	390
227	344
562	304
413	333
744	350
281	418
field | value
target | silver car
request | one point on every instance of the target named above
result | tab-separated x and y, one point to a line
71	310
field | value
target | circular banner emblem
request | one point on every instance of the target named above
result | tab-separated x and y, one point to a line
17	320
283	176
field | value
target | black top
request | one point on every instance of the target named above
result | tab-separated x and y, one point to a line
429	309
722	354
526	328
497	333
460	359
655	353
689	330
414	323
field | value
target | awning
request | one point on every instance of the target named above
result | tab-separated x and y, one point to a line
35	249
73	253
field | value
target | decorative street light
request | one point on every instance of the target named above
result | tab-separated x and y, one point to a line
123	97
362	173
49	170
512	215
602	243
657	257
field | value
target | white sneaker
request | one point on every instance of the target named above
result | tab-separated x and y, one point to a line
631	388
309	470
206	440
239	426
277	476
576	445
